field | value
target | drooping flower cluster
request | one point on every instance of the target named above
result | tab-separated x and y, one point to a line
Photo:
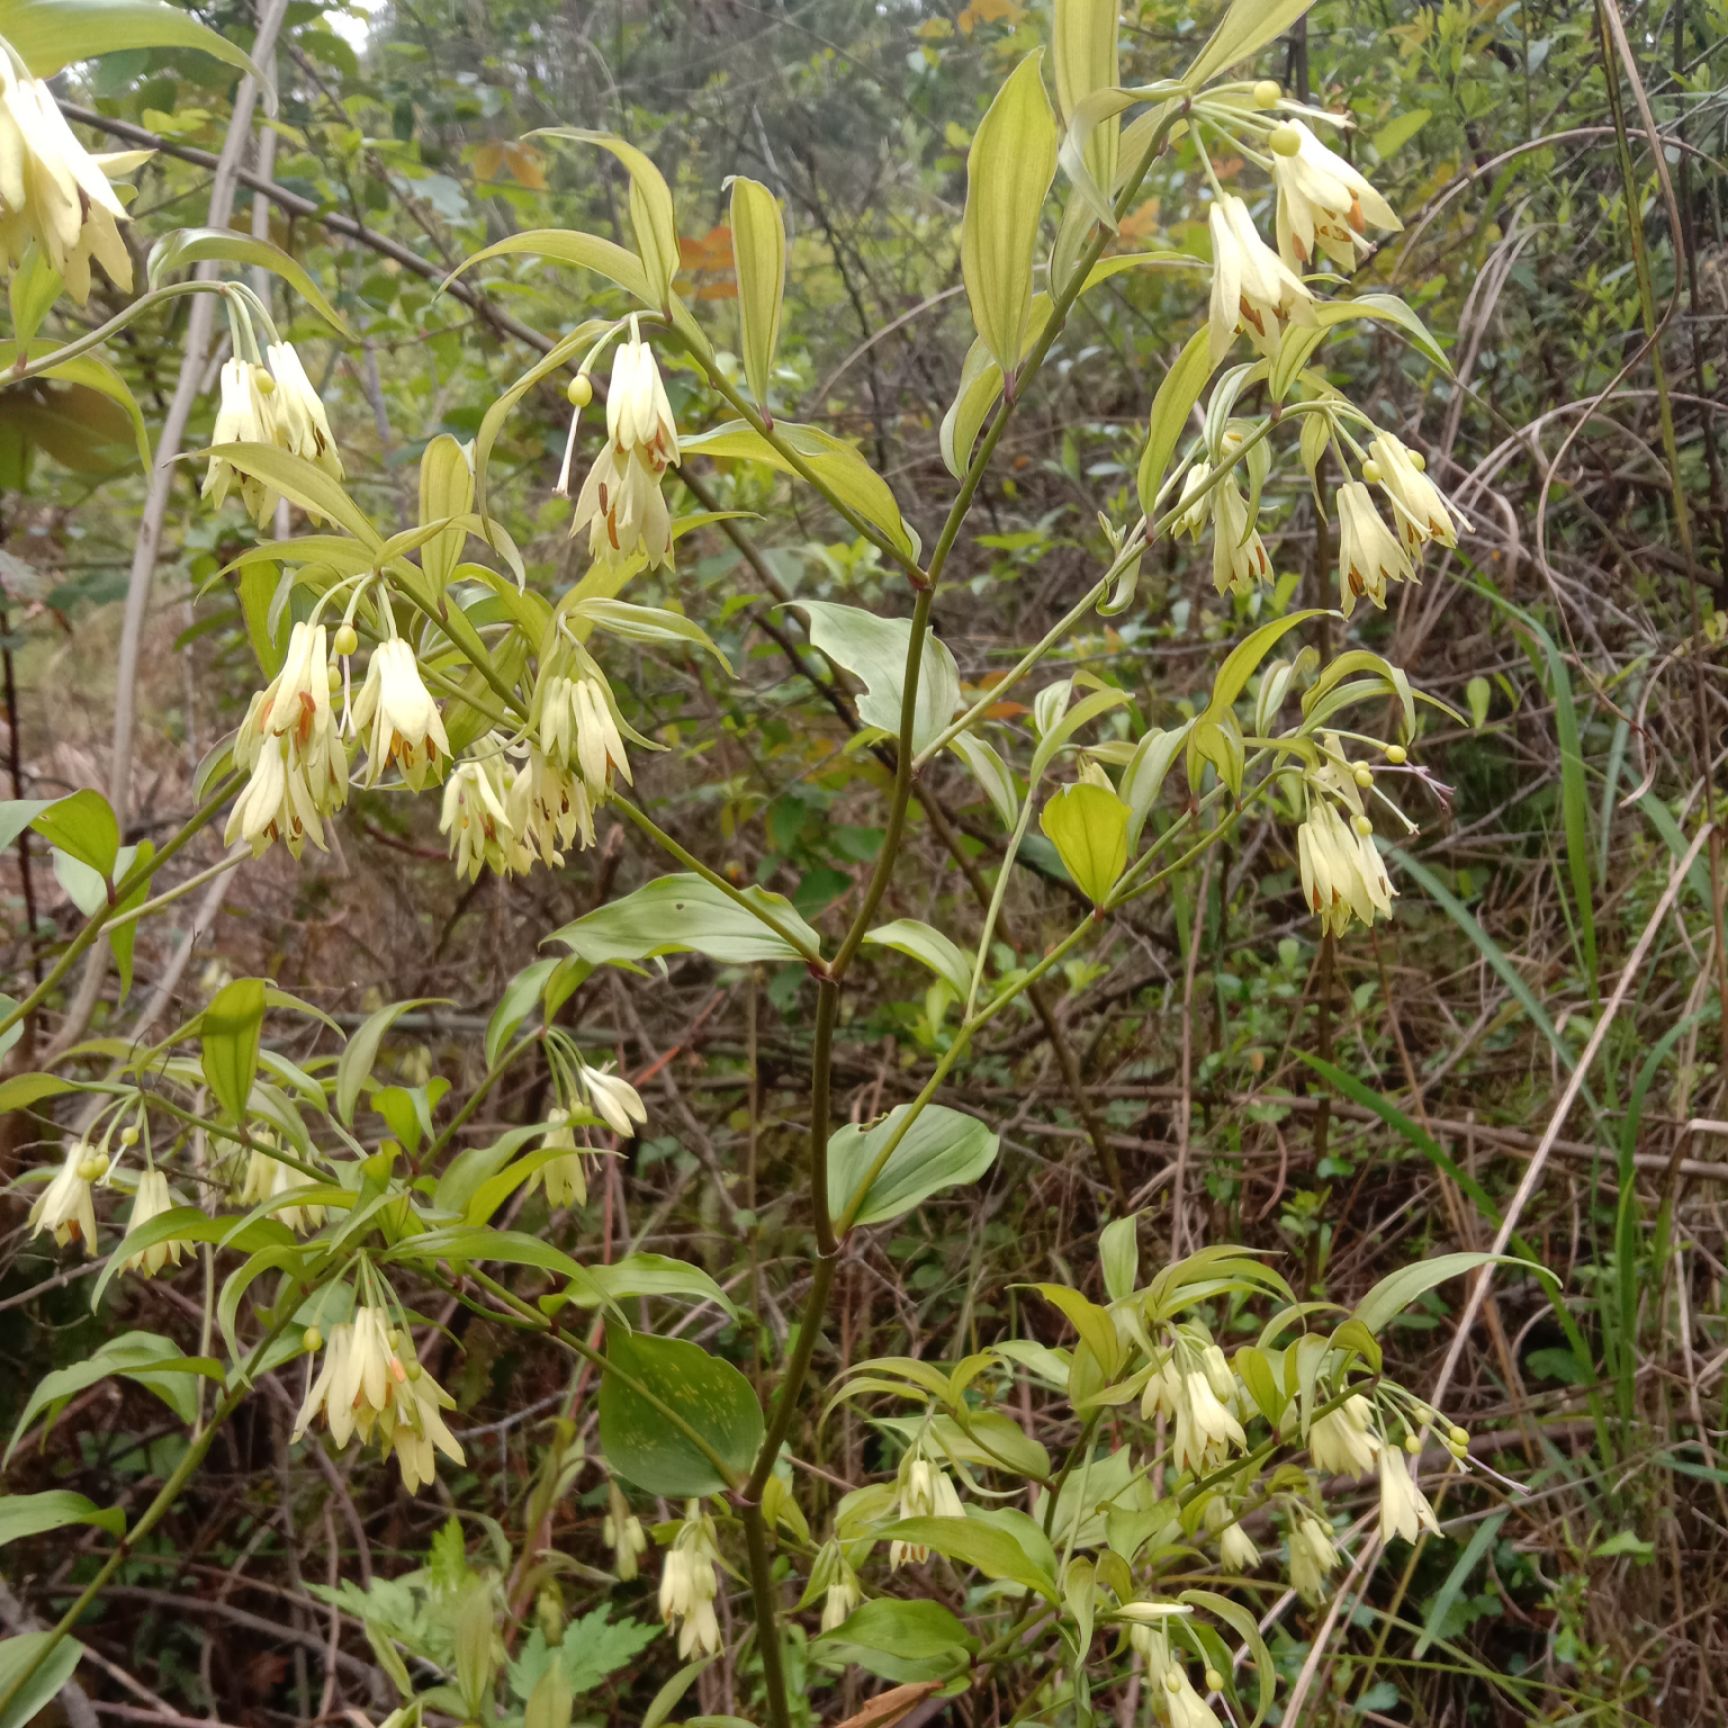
621	504
1313	1558
273	403
1324	204
364	1387
266	1177
53	191
924	1491
1349	1441
1239	558
622	1532
689	1584
505	808
1195	1389
1172	1692
292	746
1343	874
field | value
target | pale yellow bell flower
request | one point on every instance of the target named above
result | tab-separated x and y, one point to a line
1418	505
245	414
638	415
1252	287
265	1178
55	192
474	813
397	712
1313	1558
1342	1442
1185	1707
300	424
923	1491
151	1200
413	1428
564	1178
689	1584
577	727
1404	1508
613	1099
1343	874
1205	1428
1369	554
67	1206
1236	1550
1324	205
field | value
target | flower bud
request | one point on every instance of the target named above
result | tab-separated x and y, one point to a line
579	392
1459	1436
312	1339
1285	140
1268	93
346	639
93	1168
1412	1445
1364	775
1214	1680
1362	826
1397	755
1173	1681
128	1137
1371	471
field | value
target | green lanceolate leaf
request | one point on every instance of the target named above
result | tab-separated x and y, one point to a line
53	1664
1008	173
653	220
231	1029
1169	419
186	247
873	650
994	1551
904	1641
675	1420
952	964
685	913
1246	27
24	1515
48	35
1395	1292
835	463
759	253
942	1149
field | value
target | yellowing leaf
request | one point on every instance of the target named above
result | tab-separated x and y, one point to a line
759	248
1089	829
990	12
1008	175
1083	44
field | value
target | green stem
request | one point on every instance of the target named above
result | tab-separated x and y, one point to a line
767	1625
95	338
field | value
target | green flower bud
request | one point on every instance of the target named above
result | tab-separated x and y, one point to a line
1285	141
1268	93
579	392
347	639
